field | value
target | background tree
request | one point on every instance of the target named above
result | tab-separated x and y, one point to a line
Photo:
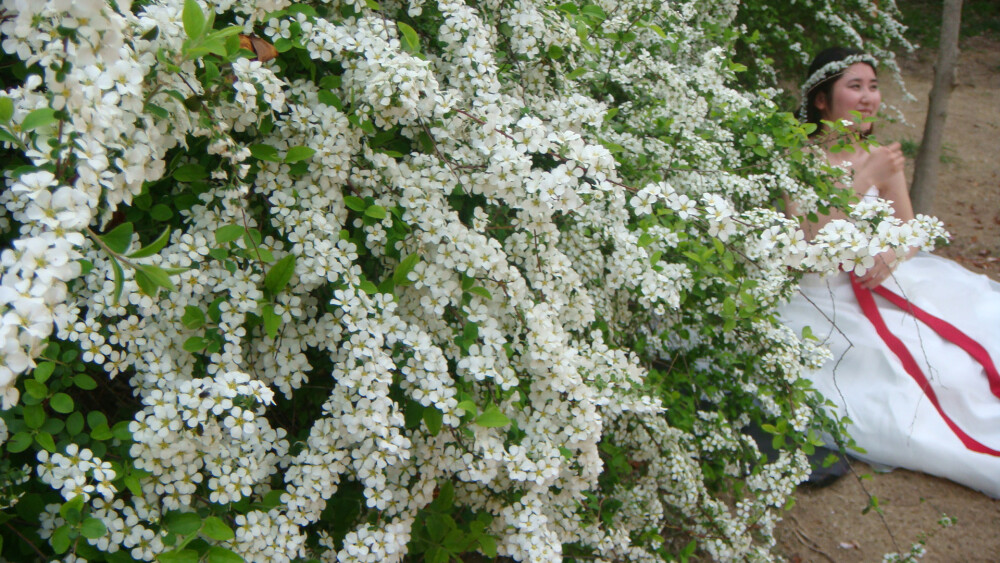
928	160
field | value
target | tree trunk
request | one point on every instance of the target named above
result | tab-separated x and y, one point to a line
929	157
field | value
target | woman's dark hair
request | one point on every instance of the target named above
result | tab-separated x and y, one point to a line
823	58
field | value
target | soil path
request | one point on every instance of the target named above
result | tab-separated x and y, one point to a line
827	525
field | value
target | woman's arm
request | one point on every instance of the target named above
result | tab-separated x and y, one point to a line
884	170
810	228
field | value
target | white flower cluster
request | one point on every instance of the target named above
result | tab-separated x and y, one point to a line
197	432
77	472
455	285
851	246
252	80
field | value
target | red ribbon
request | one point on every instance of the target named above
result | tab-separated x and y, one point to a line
943	328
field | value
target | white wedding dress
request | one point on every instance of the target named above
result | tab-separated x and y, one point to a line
892	417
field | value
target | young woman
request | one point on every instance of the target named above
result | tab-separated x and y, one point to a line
915	342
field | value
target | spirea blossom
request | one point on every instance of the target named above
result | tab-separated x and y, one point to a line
399	267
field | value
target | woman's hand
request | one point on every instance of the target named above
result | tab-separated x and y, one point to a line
885	263
882	165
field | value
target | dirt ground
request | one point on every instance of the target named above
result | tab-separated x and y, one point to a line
827	524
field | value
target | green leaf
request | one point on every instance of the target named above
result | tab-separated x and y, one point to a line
6	109
569	8
93	528
272	321
482	292
34	416
375	212
43	371
156	110
45	440
468	406
251	237
193	318
228	233
161	212
133	484
19	442
119	238
265	254
492	417
595	12
215	46
405	266
74	423
296	154
53	426
179	556
411	41
434	420
60	539
280	274
146	285
470	332
194	344
227	32
154	247
71	507
7	137
38	118
119	279
216	529
271	499
331	99
659	30
413	414
194	19
488	545
97	419
122	432
265	152
445	499
183	523
368	287
102	433
728	307
219	554
36	389
190	173
438	555
61	403
355	203
84	381
807	333
157	275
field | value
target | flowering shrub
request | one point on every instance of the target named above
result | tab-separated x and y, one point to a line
346	281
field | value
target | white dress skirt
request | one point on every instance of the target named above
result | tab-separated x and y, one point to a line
892	417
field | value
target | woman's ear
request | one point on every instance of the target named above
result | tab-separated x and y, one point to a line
820	102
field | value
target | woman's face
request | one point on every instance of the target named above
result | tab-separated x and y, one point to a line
855	90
